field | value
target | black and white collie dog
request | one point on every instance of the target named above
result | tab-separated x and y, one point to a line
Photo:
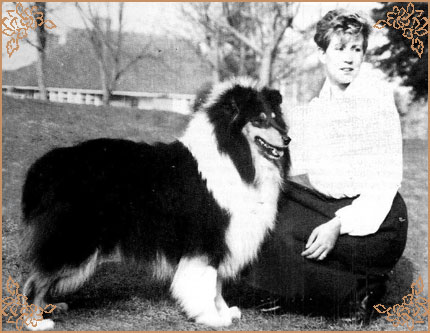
196	210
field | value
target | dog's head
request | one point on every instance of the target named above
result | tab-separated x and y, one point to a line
264	124
244	115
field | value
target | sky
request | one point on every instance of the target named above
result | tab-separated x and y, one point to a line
162	18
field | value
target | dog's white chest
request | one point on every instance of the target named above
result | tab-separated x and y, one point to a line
252	207
253	214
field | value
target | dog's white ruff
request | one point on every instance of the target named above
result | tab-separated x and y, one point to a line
252	207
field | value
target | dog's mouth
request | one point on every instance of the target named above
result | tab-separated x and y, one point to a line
270	151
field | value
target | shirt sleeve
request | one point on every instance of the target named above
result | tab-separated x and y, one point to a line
381	173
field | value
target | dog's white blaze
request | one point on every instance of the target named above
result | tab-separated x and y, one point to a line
194	286
252	208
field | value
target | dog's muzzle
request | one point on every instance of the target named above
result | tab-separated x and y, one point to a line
270	151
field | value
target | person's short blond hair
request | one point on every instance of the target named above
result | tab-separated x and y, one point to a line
344	22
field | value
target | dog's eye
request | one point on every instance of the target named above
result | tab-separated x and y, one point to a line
273	115
260	119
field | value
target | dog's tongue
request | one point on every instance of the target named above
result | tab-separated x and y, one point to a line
268	150
276	153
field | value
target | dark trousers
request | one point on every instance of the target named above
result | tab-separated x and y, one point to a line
280	269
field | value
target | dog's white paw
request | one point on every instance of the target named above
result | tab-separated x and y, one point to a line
214	320
230	313
43	325
235	312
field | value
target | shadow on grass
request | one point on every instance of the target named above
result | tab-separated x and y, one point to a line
399	284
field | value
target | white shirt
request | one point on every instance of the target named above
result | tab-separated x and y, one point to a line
348	145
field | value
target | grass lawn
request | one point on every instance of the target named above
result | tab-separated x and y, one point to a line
118	297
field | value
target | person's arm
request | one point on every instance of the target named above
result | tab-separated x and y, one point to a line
322	240
382	175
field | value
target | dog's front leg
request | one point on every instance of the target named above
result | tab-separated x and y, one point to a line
221	305
194	286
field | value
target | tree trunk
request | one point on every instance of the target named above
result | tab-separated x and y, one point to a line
40	64
104	73
41	54
265	73
242	59
105	83
106	96
216	75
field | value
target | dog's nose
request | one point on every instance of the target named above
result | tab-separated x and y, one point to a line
286	140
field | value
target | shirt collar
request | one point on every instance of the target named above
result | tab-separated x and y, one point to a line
352	90
327	95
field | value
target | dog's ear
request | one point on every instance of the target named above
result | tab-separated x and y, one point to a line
272	96
239	97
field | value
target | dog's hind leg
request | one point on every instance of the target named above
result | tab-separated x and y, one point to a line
194	287
36	289
67	280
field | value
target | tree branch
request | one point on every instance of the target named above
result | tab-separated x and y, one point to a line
95	28
131	63
38	48
240	36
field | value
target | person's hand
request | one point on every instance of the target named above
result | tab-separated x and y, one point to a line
322	240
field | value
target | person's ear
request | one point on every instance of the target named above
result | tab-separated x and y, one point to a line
321	55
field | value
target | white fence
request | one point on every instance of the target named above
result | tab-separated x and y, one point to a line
180	103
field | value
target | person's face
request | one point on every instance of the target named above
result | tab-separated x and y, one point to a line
342	59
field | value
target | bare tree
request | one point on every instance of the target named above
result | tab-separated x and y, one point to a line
208	33
34	17
248	34
107	45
